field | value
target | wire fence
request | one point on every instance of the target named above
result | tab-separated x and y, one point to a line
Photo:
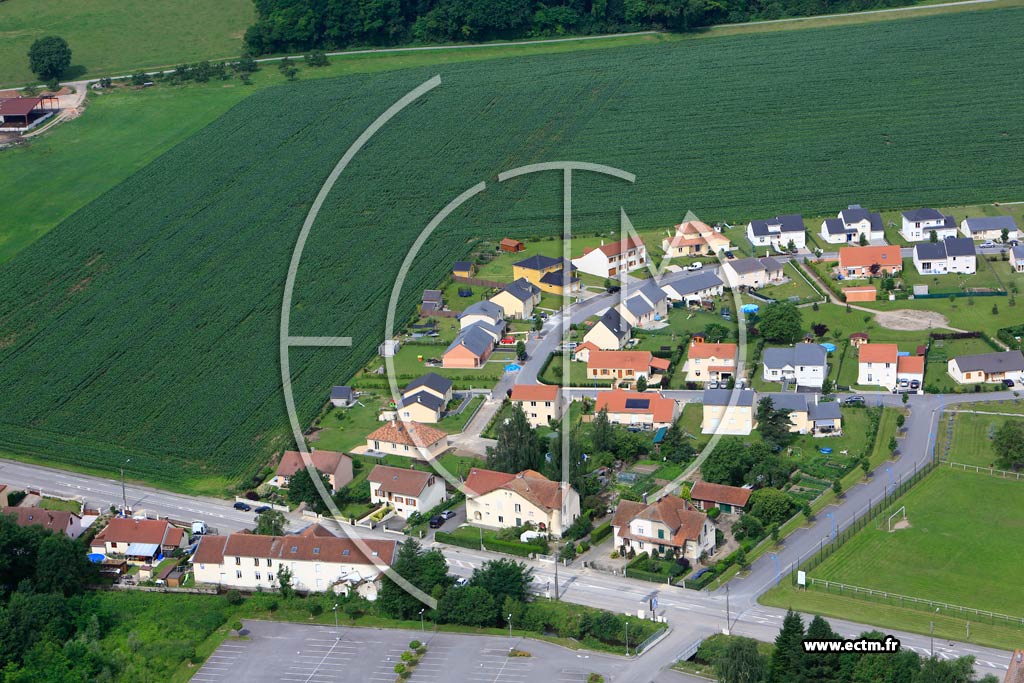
910	602
1002	474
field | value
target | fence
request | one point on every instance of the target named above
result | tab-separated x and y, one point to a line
478	282
957	295
873	511
654	637
1002	474
910	602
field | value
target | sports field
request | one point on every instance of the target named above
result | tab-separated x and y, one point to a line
955	551
158	304
973	434
110	35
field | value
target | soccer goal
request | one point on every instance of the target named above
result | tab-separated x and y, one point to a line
898	519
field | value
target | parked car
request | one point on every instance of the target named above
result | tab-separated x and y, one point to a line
461	581
904	383
915	385
613	289
988	244
1008	383
696	265
261	509
853	400
448	514
729	255
711	385
508	341
244	507
436	522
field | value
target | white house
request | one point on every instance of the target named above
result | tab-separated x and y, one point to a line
987	368
1017	259
317	562
487	312
500	500
342	397
613	260
643	305
919	224
406	490
989	228
851	224
646	410
951	255
877	365
805	365
778	232
694	289
541	403
668	523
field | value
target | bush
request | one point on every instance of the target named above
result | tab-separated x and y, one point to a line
233	597
236	626
15	497
713	513
316	609
414	645
600	533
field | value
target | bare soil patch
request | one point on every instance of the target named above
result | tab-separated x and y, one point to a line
911	320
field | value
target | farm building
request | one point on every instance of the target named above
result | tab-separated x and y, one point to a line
510	245
728	499
21	114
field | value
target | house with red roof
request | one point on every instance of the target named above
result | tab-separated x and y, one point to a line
407	490
337	467
862	262
59	521
876	365
139	541
411	439
710	362
647	410
624	368
668	523
729	499
499	500
613	260
542	403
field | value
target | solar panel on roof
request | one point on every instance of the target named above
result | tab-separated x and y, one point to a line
638	403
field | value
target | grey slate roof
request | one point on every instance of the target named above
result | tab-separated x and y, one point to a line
695	283
930	251
801	354
951	246
431	380
983	223
637	305
835	226
474	339
522	289
462	265
856	213
424	398
557	277
614	322
824	411
538	262
1018	252
796	403
997	361
488	308
342	393
923	214
496	331
432	295
651	291
792	222
754	264
723	397
959	246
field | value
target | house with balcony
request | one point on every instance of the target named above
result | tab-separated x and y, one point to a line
709	362
779	232
648	410
613	260
919	224
803	365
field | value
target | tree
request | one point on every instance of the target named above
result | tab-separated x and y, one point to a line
819	330
468	605
818	666
933	237
774	425
538	323
788	653
316	58
771	506
715	333
602	434
837	487
995	309
302	489
1004	235
740	662
641	383
62	567
747	526
49	57
518	448
1008	444
889	284
875	269
426	570
521	349
863	241
791	247
726	464
271	523
503	579
781	322
676	448
284	581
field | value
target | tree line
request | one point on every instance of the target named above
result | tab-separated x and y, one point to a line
295	25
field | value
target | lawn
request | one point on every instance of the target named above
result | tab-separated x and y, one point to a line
958	520
986	278
456	423
410	363
966	313
972	437
121	36
798	287
342	429
57	504
178	317
936	371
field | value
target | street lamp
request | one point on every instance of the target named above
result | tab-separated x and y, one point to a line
889	472
481	530
627	638
832	517
510	626
336	620
931	634
124	494
423	627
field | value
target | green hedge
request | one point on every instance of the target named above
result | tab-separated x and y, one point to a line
490	543
600	533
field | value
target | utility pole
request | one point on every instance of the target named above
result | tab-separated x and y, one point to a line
556	574
124	494
728	616
931	635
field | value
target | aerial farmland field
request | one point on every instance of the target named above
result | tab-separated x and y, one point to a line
155	309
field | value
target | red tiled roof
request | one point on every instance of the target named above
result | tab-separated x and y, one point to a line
509	242
535	392
865	257
616	248
878	353
637	361
678	515
408	433
125	530
661	409
703	350
19	106
531	485
316	530
911	365
54	520
481	481
406	482
859	335
720	493
324	461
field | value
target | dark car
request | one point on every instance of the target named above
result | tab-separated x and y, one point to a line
614	288
853	400
244	507
1008	383
261	509
436	522
915	385
448	514
729	255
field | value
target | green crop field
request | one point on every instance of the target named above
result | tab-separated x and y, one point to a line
155	309
957	521
107	36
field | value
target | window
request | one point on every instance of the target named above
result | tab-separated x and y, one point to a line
316	551
661	533
519	508
238	560
345	551
318	570
269	561
238	573
257	576
295	548
500	519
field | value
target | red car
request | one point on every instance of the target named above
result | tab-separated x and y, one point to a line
508	341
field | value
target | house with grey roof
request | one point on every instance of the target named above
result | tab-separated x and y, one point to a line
470	349
950	255
342	397
643	305
804	365
778	232
482	311
694	289
987	368
989	228
1017	259
421	406
610	333
728	412
432	383
807	413
753	272
517	299
431	301
919	224
851	224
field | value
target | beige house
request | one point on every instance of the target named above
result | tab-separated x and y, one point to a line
694	238
625	367
58	521
613	260
610	333
518	299
752	272
877	365
406	490
647	410
643	305
411	439
542	403
669	523
994	367
1017	259
139	541
807	415
316	562
500	500
709	362
728	412
989	228
337	467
